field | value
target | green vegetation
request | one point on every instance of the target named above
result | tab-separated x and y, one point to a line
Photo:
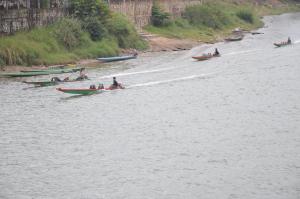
246	15
91	31
210	21
159	17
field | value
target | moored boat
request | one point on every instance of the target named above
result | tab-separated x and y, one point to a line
54	81
42	83
120	58
235	38
38	73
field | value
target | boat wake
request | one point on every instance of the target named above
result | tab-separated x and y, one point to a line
137	73
202	76
296	42
241	52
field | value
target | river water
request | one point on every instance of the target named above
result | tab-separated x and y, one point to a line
224	128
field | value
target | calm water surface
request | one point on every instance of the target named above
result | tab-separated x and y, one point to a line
225	128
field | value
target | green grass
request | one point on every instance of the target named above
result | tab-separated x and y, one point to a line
58	44
211	21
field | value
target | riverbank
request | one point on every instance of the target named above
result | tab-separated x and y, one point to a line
44	47
212	22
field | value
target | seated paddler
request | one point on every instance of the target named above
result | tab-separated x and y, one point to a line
216	53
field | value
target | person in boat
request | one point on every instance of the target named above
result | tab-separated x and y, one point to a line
55	79
115	83
66	79
92	86
289	40
101	86
82	75
216	53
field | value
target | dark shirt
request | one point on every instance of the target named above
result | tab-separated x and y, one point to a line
115	83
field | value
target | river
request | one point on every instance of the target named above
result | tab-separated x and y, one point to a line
228	127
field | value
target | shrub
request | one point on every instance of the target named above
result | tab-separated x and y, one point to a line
209	15
95	28
246	15
159	18
124	32
69	33
84	9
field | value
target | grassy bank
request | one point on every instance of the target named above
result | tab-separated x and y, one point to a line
79	36
211	21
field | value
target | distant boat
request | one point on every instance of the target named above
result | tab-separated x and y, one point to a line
80	91
120	58
235	38
282	44
89	91
39	72
205	57
51	82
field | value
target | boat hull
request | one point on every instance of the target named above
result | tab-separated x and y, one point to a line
204	57
113	59
80	91
39	73
281	44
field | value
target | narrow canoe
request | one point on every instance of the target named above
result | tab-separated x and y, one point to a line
50	83
237	38
53	71
88	91
80	91
205	57
43	83
37	73
282	44
112	59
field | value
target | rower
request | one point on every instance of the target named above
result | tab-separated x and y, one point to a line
101	86
289	40
216	52
115	83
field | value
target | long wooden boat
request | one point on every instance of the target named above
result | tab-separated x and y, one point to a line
80	91
53	70
42	83
282	44
50	83
120	58
37	73
88	91
205	57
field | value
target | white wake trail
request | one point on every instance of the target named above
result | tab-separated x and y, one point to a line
203	76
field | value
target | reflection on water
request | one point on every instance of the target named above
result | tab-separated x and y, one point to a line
224	128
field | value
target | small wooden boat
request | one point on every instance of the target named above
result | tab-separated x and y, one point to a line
113	59
205	57
235	38
282	44
89	91
38	73
53	70
42	83
53	82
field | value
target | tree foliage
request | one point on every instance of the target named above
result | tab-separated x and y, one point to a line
159	17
